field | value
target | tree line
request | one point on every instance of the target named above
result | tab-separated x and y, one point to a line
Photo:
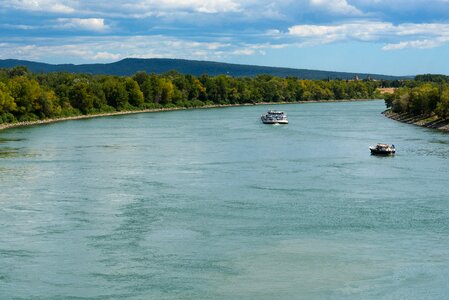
25	96
425	98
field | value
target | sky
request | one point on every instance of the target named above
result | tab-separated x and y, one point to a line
394	37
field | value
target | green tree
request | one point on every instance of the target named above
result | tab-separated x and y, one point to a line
81	97
145	83
135	95
166	89
442	109
115	93
48	105
18	71
424	99
25	92
7	103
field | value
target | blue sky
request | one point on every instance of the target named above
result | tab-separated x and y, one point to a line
397	37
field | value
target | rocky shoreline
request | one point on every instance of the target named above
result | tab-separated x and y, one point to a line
432	122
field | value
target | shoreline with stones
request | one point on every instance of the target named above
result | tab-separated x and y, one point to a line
152	110
426	121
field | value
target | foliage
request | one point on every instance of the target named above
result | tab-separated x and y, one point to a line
26	96
432	78
424	98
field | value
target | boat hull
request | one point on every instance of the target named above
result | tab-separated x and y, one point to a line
382	152
269	121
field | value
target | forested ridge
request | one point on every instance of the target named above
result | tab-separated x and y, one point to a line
130	66
25	96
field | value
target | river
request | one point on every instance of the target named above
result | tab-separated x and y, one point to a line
213	204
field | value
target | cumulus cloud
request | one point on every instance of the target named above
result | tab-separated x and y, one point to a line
106	56
243	51
205	6
54	6
202	6
210	29
113	48
246	9
18	26
418	44
336	7
364	31
412	35
90	24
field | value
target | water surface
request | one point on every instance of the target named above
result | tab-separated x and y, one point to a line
213	204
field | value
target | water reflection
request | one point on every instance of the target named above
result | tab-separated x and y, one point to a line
438	141
5	140
8	152
15	152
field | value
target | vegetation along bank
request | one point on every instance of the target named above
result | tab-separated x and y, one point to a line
423	102
26	97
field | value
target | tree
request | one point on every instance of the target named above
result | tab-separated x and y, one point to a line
115	93
27	96
424	98
135	95
25	92
7	103
18	71
145	83
81	96
48	105
442	109
401	102
166	90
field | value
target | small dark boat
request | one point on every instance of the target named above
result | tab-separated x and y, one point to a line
383	149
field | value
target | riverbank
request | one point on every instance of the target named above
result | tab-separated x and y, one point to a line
80	117
424	121
54	120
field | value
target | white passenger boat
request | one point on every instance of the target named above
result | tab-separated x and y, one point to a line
274	117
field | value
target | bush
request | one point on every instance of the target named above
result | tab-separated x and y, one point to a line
29	117
7	118
152	106
197	103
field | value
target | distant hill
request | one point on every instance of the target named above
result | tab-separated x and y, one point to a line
130	66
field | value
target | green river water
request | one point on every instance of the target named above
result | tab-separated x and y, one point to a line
213	204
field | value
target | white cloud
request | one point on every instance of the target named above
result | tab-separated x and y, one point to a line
423	29
91	24
18	26
53	6
202	6
336	7
418	44
397	36
273	33
365	31
247	51
106	56
113	48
